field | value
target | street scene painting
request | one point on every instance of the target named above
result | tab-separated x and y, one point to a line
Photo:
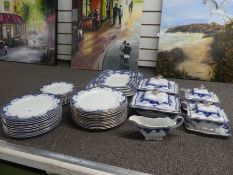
28	31
196	40
106	34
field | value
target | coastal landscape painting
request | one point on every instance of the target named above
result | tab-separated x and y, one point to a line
196	40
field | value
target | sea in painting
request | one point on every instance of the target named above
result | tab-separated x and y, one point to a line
28	31
100	28
196	40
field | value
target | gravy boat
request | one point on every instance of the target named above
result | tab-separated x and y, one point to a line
156	128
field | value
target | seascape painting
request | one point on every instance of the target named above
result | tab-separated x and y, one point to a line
28	31
106	34
196	40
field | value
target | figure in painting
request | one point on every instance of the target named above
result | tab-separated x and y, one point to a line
120	14
115	12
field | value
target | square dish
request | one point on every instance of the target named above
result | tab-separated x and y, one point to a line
192	95
171	106
203	112
171	87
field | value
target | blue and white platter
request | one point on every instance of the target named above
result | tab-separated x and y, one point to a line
31	115
125	81
208	128
159	84
158	101
63	90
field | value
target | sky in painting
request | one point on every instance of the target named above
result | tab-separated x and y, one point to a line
181	12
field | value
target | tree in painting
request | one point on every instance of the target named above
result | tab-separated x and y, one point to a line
203	33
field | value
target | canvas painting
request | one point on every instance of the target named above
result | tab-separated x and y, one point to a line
196	40
28	31
106	34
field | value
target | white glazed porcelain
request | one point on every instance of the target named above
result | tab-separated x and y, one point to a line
98	99
201	91
58	88
31	105
202	96
156	96
172	106
158	82
205	112
156	128
172	87
125	81
117	80
208	128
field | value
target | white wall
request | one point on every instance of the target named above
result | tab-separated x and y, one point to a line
149	34
64	37
149	38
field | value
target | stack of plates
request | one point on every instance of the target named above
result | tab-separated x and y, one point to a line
31	115
125	81
61	89
99	108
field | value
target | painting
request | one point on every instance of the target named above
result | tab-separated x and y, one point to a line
106	34
28	31
196	40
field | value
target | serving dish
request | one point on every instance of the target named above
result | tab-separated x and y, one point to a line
201	94
169	105
204	112
125	81
208	128
156	128
160	84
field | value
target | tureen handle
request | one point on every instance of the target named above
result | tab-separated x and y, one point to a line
179	121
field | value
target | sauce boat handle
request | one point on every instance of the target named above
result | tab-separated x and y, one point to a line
179	121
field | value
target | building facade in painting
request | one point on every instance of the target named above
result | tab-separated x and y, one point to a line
11	24
83	11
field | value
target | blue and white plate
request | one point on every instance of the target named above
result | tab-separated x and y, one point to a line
171	87
125	81
63	90
100	106
171	106
31	115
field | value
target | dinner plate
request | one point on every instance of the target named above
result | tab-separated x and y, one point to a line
31	115
98	99
32	134
30	107
32	126
101	106
63	90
